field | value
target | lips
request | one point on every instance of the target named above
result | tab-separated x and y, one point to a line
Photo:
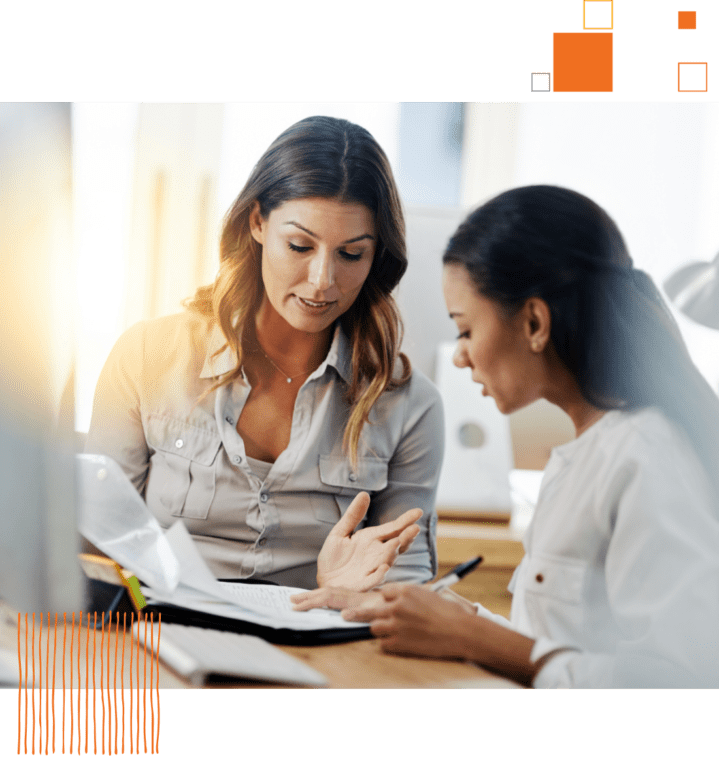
310	307
315	304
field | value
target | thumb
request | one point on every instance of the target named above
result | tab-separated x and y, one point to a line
353	516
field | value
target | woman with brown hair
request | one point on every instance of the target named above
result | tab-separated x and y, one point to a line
277	413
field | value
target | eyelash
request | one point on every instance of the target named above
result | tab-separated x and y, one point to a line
344	254
463	335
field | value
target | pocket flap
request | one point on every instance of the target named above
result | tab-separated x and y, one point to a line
370	474
557	578
183	439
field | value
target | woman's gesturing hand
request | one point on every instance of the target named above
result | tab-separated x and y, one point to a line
360	561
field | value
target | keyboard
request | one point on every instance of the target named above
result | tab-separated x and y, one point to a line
200	655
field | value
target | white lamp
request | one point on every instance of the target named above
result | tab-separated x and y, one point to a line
694	289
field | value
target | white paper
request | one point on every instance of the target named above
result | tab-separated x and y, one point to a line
259	603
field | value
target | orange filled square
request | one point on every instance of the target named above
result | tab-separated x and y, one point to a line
687	19
582	61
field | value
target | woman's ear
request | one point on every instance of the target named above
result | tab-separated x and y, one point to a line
537	323
257	223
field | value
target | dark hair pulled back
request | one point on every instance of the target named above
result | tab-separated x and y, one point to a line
609	323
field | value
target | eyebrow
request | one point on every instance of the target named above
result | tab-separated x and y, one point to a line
309	232
452	315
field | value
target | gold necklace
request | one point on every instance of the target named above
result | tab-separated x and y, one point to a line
289	378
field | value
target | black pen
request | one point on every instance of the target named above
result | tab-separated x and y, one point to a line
456	574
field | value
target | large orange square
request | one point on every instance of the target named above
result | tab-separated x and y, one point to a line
687	19
582	61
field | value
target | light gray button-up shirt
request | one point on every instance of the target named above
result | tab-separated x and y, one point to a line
186	458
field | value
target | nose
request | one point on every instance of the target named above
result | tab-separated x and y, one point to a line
322	270
460	358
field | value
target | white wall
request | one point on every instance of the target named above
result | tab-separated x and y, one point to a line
653	167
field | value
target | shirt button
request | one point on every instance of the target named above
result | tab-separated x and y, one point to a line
539	578
229	420
264	497
353	477
237	459
179	442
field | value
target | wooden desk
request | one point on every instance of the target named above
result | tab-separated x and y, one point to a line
360	664
500	545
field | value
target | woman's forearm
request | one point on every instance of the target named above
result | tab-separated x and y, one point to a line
498	648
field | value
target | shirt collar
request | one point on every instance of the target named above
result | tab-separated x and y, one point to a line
221	364
339	355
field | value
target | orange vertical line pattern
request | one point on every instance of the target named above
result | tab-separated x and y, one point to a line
109	706
94	712
152	664
47	686
159	632
33	683
132	652
72	708
26	677
114	674
144	688
19	685
102	678
137	680
64	638
54	666
108	731
79	657
87	677
39	664
122	678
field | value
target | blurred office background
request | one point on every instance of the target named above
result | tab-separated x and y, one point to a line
152	181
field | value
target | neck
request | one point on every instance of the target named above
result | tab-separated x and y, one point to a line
562	390
292	350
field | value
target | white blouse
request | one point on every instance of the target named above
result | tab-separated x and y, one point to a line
622	561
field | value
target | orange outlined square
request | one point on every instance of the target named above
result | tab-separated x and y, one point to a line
611	23
704	64
687	19
583	61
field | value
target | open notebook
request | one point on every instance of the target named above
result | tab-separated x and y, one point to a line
177	581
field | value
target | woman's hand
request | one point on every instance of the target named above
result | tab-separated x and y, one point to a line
413	619
360	561
337	598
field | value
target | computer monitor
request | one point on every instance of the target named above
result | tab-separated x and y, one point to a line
39	571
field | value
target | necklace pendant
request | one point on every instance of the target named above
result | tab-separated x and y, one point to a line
289	380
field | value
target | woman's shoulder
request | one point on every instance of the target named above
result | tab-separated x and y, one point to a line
645	426
418	388
647	441
169	332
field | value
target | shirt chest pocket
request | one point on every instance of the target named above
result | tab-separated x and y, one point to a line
343	483
182	470
550	578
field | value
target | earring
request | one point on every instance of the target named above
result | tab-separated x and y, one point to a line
535	346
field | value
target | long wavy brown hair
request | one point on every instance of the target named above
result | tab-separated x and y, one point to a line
335	159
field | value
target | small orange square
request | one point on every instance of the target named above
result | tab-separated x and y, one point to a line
687	19
582	61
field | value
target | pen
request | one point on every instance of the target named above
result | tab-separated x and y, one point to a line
456	574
